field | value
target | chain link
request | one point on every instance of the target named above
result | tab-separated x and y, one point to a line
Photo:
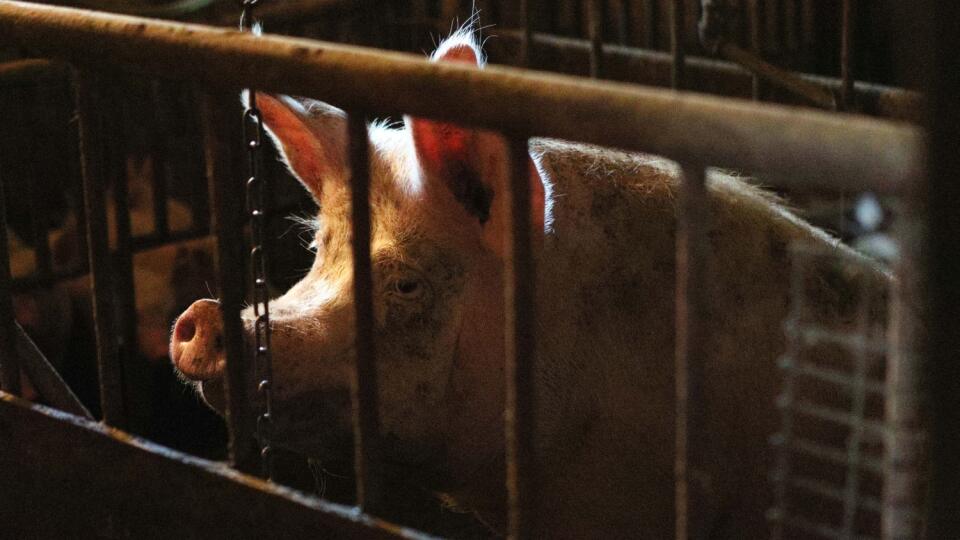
256	189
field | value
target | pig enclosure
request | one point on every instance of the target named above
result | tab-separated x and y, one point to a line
164	136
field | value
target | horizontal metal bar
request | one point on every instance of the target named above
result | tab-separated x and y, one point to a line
828	491
810	334
30	71
45	378
74	478
804	407
791	148
713	76
818	529
825	453
783	78
827	374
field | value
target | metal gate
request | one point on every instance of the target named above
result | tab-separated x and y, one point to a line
47	450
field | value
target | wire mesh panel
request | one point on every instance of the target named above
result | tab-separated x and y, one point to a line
827	477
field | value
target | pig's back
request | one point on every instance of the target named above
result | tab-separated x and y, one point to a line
606	295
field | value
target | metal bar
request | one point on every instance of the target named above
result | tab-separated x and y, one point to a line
827	453
160	157
940	269
871	429
519	290
30	71
830	492
756	44
783	466
9	361
677	73
595	16
693	221
846	54
818	150
90	114
858	391
222	132
136	373
788	80
366	422
45	377
572	56
835	377
74	478
813	334
526	41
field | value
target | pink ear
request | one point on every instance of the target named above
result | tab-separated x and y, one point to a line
311	137
460	47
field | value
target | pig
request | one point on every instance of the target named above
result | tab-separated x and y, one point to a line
603	226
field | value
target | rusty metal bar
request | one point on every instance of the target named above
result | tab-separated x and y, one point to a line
45	377
756	43
519	289
818	150
9	361
572	56
74	478
92	149
846	54
135	372
943	283
526	40
160	155
677	49
788	80
222	132
366	422
30	71
595	20
693	220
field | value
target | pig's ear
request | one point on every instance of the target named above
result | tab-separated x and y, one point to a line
311	137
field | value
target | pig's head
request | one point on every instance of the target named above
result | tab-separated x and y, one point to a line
437	253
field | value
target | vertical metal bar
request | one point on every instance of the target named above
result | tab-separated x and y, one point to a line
221	133
158	151
595	15
846	55
366	422
92	150
618	14
756	43
677	75
943	281
135	372
858	392
9	362
526	44
691	305
520	342
789	363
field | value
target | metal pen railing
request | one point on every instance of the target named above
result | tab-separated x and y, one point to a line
815	150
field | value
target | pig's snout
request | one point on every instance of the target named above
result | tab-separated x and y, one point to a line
196	347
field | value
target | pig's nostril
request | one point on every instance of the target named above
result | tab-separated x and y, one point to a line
186	329
218	343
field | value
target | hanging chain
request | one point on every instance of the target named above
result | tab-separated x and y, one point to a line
256	188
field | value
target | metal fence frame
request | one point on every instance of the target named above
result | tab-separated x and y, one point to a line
790	147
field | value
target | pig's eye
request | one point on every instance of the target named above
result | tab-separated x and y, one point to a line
407	288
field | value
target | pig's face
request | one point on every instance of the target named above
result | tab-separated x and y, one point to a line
437	247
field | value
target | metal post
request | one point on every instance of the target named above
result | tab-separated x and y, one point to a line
9	364
677	79
222	132
520	342
691	339
595	17
366	423
943	280
526	41
92	150
846	54
756	44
